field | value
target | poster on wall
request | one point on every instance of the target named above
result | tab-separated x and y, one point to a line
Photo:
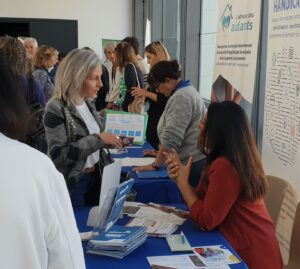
281	136
236	52
281	131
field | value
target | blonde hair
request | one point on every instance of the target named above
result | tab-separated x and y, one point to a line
43	56
157	48
72	72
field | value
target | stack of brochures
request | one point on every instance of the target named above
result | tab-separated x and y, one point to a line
110	239
118	241
160	221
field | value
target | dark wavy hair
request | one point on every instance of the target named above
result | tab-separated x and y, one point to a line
14	112
133	41
162	70
227	133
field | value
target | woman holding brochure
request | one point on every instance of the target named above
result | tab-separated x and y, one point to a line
230	193
178	125
73	129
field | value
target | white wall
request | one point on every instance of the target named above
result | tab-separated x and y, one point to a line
97	19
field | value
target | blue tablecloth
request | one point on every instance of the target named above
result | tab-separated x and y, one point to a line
152	247
151	190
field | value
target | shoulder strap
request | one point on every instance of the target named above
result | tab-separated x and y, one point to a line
70	125
136	74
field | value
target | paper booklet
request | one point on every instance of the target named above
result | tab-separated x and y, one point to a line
112	240
129	124
158	173
186	261
159	220
179	243
215	255
154	228
155	212
118	241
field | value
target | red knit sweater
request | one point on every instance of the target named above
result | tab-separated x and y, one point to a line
247	226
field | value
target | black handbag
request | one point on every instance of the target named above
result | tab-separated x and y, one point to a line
105	158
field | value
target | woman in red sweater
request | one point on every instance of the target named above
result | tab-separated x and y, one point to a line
229	194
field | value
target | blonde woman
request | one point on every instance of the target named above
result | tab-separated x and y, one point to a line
73	130
44	59
154	52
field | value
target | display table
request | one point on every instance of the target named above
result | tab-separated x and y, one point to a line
152	247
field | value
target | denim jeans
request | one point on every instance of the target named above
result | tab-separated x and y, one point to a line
86	191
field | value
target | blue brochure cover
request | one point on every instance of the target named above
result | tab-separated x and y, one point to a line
160	173
118	236
112	206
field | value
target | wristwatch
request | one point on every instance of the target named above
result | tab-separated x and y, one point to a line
154	165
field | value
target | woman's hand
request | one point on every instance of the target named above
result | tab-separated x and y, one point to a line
138	92
150	153
148	167
176	169
110	139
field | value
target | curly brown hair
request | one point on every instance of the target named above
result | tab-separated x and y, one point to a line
43	56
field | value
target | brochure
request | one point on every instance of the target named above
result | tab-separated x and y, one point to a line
125	123
179	243
118	241
112	206
187	261
154	228
215	255
155	212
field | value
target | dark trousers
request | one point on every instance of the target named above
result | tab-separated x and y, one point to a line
86	191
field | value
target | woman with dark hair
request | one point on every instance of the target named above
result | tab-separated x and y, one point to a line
35	206
230	193
178	125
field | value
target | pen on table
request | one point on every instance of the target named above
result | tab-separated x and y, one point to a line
182	238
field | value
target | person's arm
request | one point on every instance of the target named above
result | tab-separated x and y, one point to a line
39	96
139	92
159	161
57	139
222	192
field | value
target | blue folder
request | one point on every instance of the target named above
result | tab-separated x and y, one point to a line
160	173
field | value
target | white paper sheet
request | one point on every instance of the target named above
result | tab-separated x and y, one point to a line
190	261
136	161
